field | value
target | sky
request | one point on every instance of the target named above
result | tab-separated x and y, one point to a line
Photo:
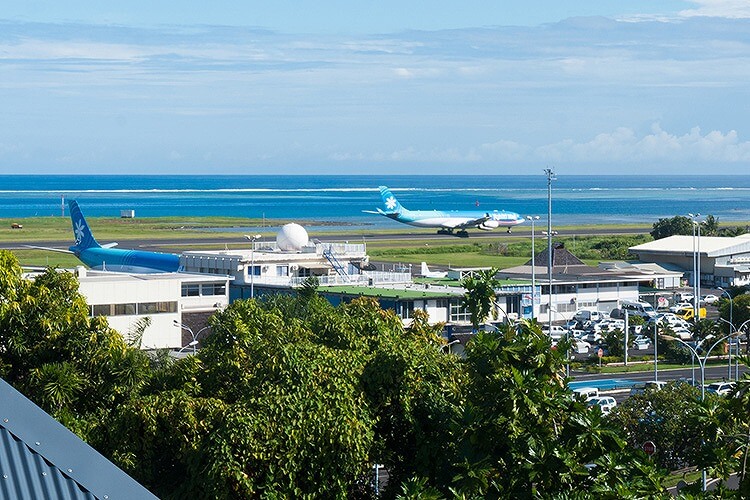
407	87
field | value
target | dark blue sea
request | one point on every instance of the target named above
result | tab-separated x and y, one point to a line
341	199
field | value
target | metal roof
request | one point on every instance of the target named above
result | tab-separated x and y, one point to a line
40	458
711	246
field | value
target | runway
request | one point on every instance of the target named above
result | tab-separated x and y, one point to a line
179	244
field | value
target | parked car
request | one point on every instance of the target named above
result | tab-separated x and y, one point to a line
709	299
654	385
557	333
720	388
642	342
680	305
643	309
586	393
581	347
605	403
683	297
587	315
682	333
688	313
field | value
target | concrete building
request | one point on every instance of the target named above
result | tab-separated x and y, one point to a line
724	261
287	262
176	303
576	285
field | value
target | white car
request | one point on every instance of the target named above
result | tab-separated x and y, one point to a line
679	306
642	343
720	388
605	403
581	347
682	333
709	299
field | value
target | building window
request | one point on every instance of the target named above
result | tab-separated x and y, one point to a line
157	307
190	289
101	310
282	270
406	309
214	289
125	309
253	271
459	313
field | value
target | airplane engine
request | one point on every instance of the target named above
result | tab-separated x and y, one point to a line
488	225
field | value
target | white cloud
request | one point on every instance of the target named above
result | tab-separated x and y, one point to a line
733	9
623	145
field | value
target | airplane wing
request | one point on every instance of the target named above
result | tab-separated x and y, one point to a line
473	223
376	212
61	250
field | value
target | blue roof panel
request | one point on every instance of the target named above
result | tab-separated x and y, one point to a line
41	459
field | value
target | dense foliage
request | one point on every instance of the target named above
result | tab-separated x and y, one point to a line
291	397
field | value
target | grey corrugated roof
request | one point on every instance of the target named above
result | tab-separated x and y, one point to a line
41	459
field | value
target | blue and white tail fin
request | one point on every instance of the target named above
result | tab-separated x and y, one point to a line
392	206
81	230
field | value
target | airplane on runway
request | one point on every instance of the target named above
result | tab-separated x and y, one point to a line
447	222
107	258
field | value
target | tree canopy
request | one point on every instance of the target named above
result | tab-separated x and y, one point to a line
293	397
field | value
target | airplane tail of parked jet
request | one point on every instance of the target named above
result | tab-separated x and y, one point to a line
83	236
391	204
105	257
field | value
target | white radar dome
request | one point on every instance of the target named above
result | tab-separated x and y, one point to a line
291	238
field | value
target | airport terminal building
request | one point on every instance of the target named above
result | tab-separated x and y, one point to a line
724	261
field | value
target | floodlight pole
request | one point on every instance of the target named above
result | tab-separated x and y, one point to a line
533	218
550	177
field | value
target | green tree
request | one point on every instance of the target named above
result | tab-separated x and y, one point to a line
292	397
521	435
710	226
480	297
672	226
668	417
73	366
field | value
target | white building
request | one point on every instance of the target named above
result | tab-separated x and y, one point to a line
723	261
576	285
176	303
287	262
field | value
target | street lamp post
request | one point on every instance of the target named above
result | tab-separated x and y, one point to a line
702	364
696	266
656	351
729	350
444	347
533	218
194	342
731	326
567	339
252	239
550	177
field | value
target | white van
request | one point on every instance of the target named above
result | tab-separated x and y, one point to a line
643	309
586	393
557	332
584	315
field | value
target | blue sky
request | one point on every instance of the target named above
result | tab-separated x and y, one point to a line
480	87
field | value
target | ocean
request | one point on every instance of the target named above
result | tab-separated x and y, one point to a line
340	200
